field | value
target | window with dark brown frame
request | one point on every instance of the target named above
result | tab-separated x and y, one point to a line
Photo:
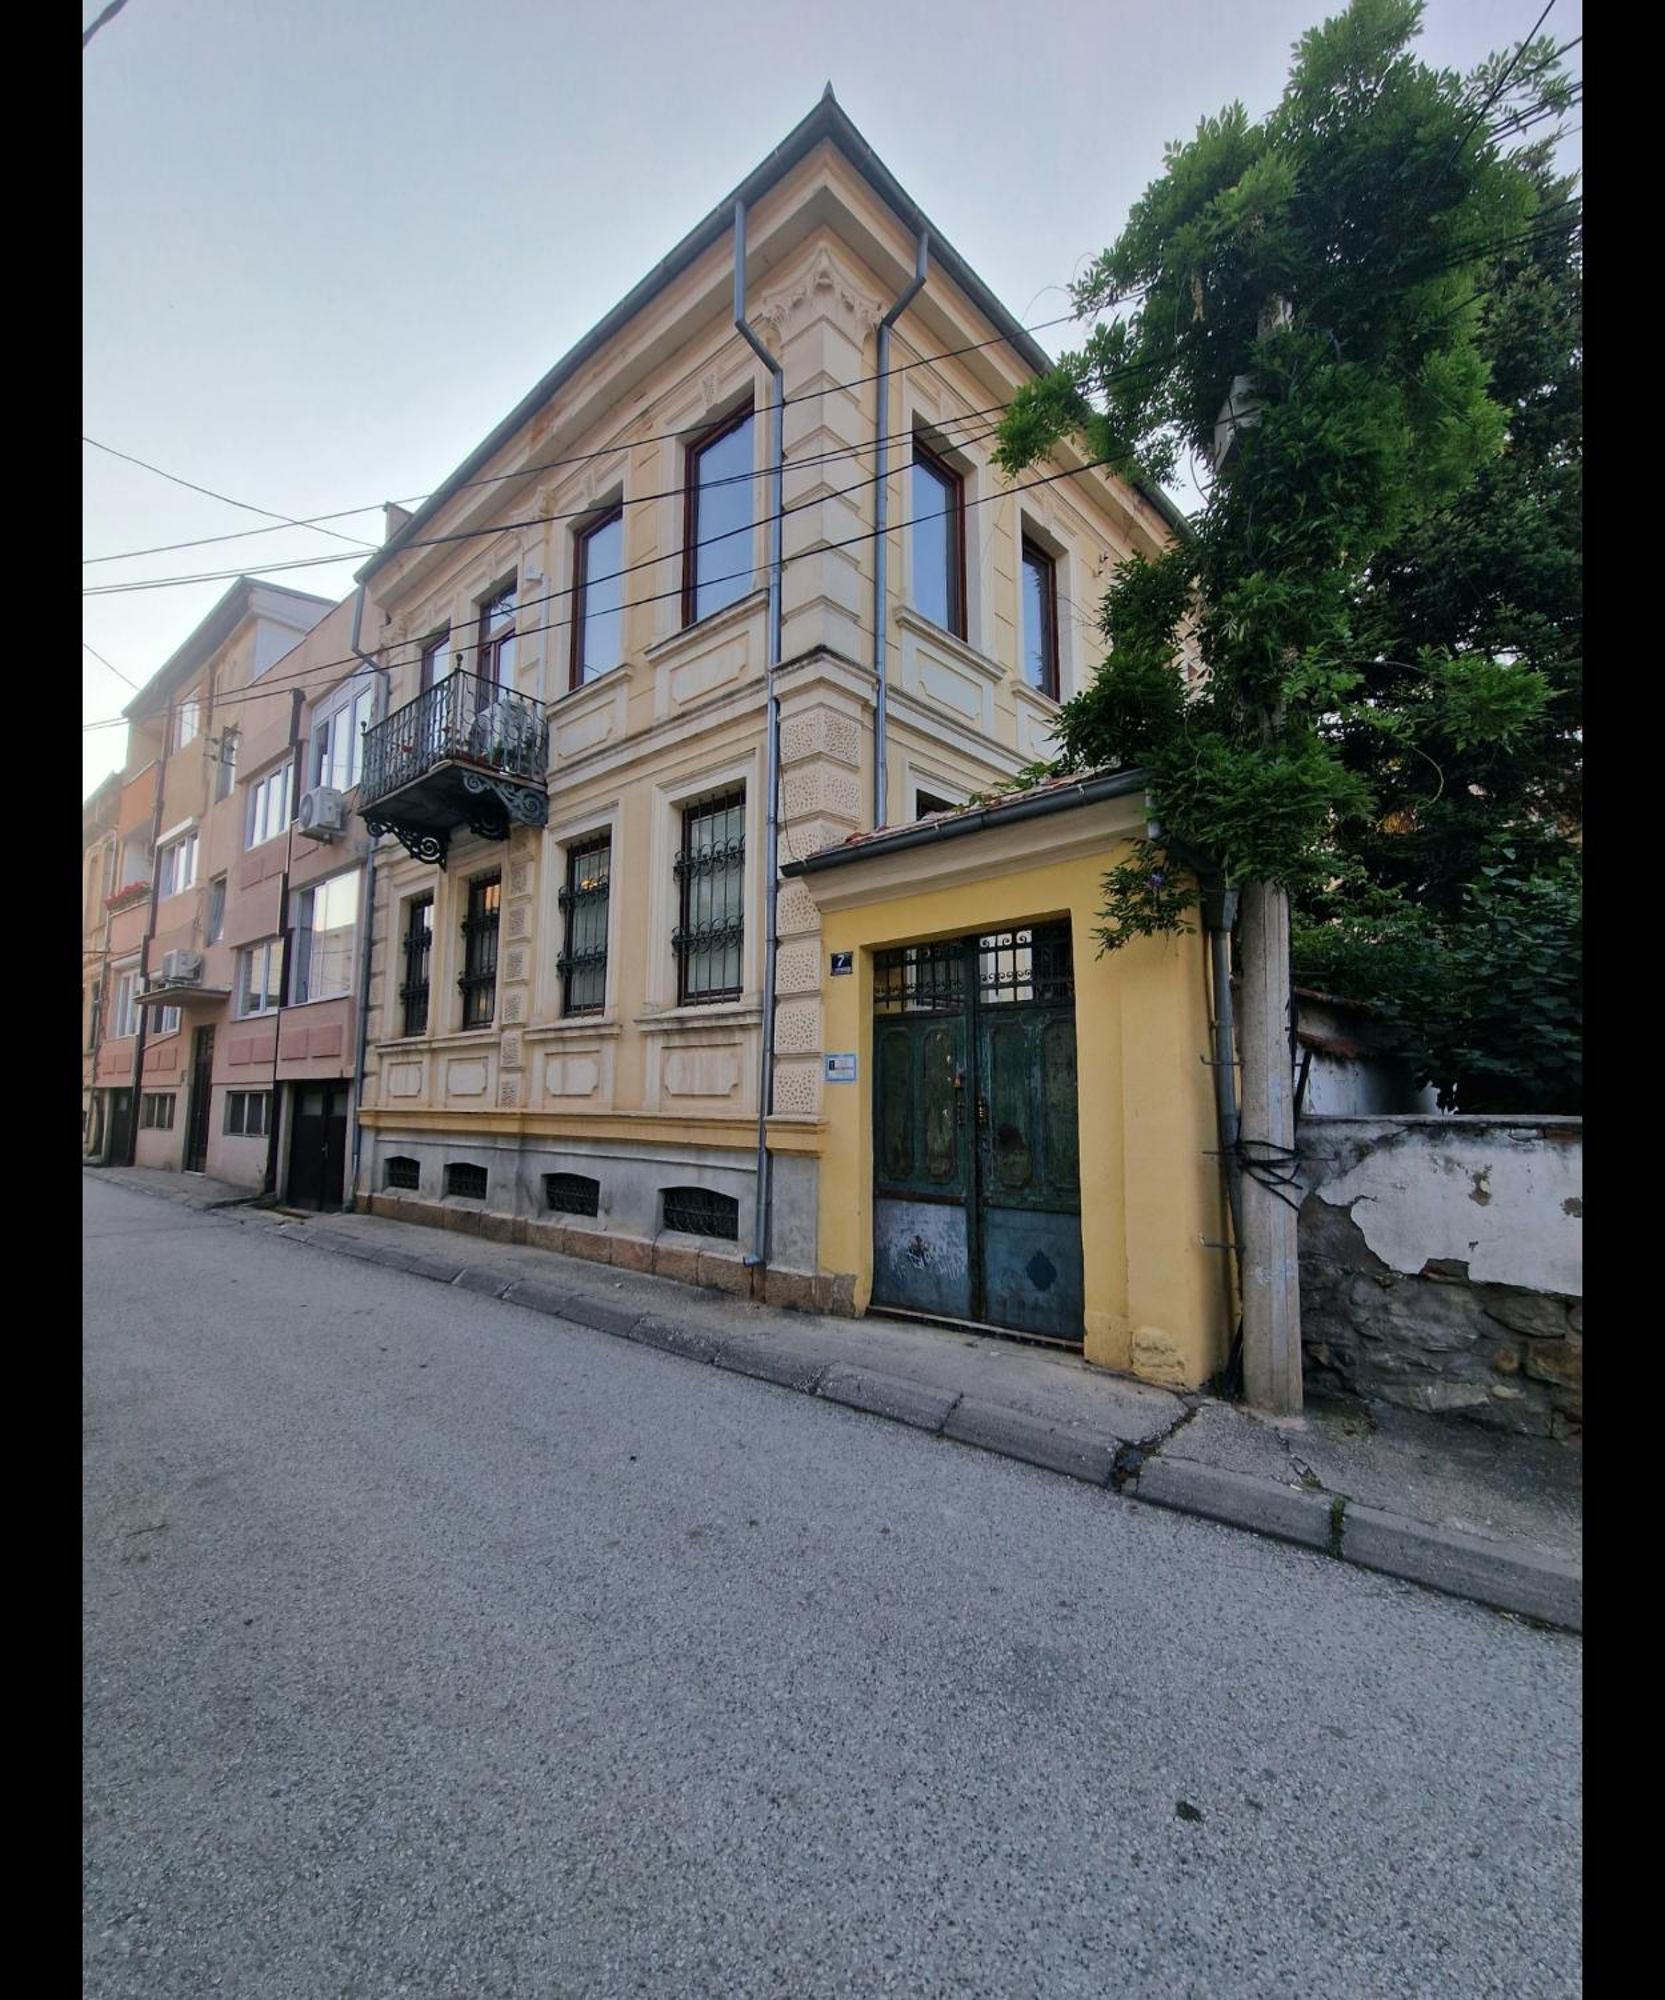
479	929
930	802
435	660
584	901
717	517
597	597
418	947
938	540
710	872
496	649
1040	619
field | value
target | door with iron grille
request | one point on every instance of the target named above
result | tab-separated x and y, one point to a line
977	1184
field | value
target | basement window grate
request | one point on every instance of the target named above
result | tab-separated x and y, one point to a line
404	1173
463	1179
699	1212
572	1194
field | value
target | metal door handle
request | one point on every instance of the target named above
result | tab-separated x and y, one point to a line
982	1113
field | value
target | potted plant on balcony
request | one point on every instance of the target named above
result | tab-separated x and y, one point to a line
125	898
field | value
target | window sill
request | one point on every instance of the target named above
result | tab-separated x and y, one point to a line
960	649
1048	704
607	681
316	1000
702	628
716	1013
578	1026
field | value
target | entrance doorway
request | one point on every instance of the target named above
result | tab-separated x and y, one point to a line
976	1169
318	1145
121	1127
202	1090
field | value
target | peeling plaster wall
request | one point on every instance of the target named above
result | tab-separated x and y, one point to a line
1442	1265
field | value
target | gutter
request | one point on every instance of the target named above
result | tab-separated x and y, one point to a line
759	1255
1064	798
881	510
378	712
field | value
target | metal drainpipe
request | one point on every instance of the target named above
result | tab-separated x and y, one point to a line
759	1255
144	948
297	701
378	711
881	509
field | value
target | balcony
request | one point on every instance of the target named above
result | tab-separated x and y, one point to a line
464	753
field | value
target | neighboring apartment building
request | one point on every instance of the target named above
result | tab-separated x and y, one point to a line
572	1035
229	1040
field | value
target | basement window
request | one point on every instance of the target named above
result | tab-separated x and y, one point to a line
464	1179
699	1212
572	1194
403	1173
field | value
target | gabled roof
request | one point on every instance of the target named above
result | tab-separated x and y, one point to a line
1051	795
210	635
828	120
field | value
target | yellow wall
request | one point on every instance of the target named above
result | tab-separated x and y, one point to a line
1156	1299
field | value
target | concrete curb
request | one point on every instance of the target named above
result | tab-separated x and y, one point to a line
1526	1582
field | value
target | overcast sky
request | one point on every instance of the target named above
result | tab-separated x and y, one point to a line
328	246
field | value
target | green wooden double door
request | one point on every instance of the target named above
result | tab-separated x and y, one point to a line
976	1167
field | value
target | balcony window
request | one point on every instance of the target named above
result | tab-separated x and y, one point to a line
710	872
419	944
937	543
497	637
597	619
259	988
338	737
1040	619
124	1015
717	518
479	930
268	806
177	866
436	663
213	927
584	908
186	720
225	765
326	924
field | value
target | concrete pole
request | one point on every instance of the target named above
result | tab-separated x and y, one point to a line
1271	1269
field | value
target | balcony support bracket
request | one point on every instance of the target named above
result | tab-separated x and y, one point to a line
503	804
418	842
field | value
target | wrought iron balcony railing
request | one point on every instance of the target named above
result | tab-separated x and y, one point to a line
465	752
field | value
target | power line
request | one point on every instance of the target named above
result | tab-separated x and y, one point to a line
109	14
288	520
120	676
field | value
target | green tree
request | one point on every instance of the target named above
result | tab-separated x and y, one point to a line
1297	300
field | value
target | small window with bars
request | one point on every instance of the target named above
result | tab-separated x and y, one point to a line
479	928
1029	964
464	1179
418	949
710	872
572	1194
920	979
700	1212
584	909
401	1172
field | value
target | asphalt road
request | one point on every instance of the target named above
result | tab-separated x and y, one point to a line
435	1647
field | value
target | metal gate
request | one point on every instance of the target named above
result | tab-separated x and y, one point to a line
976	1172
318	1145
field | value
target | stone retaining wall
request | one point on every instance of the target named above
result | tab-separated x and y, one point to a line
1442	1265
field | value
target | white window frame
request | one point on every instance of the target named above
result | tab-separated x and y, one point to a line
172	881
124	1014
187	719
213	924
247	1097
270	993
167	1021
306	930
258	828
337	748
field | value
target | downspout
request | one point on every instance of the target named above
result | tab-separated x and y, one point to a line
881	509
759	1255
297	701
144	948
378	711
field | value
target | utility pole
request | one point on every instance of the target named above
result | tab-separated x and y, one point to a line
1270	1250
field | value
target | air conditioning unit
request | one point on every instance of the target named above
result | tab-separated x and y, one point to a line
323	814
181	968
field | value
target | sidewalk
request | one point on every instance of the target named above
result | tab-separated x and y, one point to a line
1498	1520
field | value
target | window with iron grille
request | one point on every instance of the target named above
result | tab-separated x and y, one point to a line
465	1179
419	944
710	871
920	979
479	930
699	1212
400	1172
584	906
1032	963
572	1194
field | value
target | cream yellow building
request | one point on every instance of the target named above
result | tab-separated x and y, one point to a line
603	1009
